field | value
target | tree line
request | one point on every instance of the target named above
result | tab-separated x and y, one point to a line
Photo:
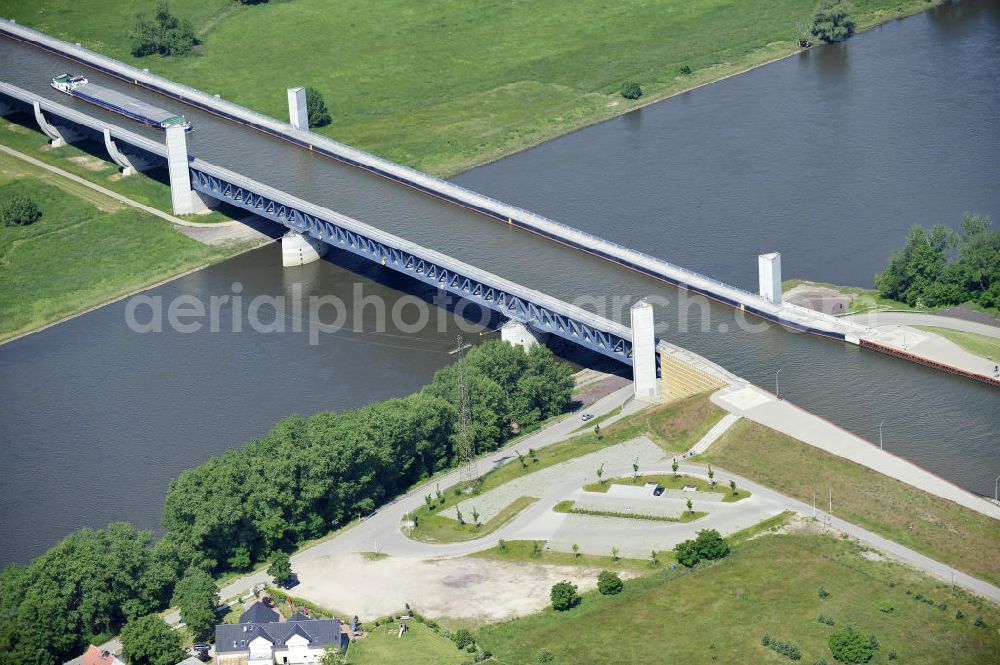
941	267
241	507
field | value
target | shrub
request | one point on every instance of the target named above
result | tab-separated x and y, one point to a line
564	596
462	638
545	656
885	607
685	70
788	649
19	211
164	34
608	583
823	593
959	615
850	645
631	90
979	623
316	108
709	545
832	21
280	568
829	621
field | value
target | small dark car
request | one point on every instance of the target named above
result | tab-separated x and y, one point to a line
659	490
291	582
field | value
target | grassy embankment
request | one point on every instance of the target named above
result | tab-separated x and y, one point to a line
450	85
673	427
718	613
938	528
418	646
981	345
85	250
90	161
672	482
866	300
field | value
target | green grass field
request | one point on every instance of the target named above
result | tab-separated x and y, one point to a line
672	482
90	161
418	646
448	85
719	613
434	528
933	526
981	345
85	250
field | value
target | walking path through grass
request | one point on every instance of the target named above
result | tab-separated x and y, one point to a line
87	249
937	528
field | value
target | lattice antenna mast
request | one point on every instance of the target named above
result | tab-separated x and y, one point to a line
466	440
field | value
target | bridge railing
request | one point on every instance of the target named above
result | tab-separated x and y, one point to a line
404	173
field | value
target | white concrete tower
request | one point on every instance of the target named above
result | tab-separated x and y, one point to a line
769	276
644	381
520	334
184	199
298	113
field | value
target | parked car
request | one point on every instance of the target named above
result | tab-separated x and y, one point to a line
587	416
291	582
658	491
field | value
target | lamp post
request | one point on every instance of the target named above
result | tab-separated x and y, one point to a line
880	434
776	391
996	484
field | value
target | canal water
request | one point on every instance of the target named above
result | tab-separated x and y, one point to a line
827	156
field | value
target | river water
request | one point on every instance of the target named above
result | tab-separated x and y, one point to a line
827	156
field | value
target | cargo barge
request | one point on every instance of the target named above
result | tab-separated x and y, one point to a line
112	100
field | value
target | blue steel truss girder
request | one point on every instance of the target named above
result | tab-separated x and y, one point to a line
472	288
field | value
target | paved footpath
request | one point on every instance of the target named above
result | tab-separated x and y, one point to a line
895	330
208	233
763	407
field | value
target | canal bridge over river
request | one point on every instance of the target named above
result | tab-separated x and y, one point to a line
536	311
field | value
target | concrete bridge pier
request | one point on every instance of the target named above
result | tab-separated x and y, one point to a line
298	113
56	139
520	334
769	276
127	168
185	200
644	381
298	249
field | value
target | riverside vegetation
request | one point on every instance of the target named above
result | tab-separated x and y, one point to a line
243	506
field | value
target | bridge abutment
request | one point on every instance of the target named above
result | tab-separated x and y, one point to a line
644	382
298	113
769	276
56	139
298	249
184	200
520	334
127	168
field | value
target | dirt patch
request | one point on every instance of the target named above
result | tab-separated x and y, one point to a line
819	298
464	588
88	162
